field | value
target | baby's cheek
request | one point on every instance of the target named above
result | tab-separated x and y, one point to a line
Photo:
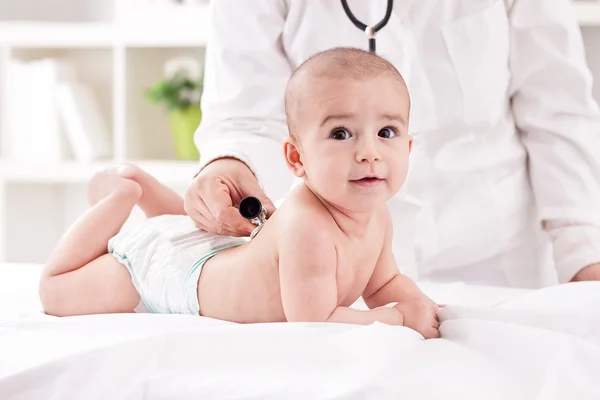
398	177
322	175
332	181
402	172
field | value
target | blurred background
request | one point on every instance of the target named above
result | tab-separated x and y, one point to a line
85	84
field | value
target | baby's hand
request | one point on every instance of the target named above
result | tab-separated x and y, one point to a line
420	314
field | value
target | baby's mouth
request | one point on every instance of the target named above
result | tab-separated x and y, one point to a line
368	181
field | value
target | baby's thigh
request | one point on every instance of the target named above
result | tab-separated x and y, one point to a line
102	286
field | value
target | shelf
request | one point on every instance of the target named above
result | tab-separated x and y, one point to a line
169	172
162	26
587	12
166	35
191	32
50	34
93	35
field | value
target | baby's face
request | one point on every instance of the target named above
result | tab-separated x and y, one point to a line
353	140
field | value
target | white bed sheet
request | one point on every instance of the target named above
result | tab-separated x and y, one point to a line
496	344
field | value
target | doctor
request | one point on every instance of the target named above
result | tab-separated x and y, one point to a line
505	176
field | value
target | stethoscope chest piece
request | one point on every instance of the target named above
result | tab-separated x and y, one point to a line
252	209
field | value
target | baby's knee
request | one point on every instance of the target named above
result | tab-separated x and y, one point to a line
128	189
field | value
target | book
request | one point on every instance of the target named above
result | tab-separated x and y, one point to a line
32	121
82	122
53	116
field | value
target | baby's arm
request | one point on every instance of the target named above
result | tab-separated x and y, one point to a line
387	285
307	268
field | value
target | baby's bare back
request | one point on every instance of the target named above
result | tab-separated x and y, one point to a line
242	284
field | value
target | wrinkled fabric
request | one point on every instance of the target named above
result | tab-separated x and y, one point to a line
496	343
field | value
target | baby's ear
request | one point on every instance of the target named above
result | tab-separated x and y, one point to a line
292	156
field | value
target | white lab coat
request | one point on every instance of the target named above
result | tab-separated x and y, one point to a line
506	130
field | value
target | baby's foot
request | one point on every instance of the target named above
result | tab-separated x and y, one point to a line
157	199
135	173
109	182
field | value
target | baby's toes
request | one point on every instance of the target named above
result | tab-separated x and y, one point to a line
128	170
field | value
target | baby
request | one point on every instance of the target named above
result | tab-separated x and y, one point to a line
328	244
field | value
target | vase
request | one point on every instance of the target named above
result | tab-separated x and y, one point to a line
183	126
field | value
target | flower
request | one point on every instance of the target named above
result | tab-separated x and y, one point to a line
182	86
193	96
186	66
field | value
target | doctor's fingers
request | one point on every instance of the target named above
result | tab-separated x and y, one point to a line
252	188
228	221
211	197
269	206
209	223
199	218
200	221
195	208
199	213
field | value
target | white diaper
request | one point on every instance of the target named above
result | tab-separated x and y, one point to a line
164	256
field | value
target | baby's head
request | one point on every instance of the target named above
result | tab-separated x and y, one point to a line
347	112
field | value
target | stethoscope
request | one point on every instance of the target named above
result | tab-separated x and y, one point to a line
252	209
370	31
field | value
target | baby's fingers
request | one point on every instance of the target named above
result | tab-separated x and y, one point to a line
431	332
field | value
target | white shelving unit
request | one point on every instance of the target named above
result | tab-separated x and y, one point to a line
588	12
118	50
118	59
74	173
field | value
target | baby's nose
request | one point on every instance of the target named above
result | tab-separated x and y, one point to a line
368	153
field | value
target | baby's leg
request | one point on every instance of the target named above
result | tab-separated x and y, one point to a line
80	277
157	199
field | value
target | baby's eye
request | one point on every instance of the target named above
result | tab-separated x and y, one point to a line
387	132
340	134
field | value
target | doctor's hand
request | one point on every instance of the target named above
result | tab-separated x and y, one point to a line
589	273
211	199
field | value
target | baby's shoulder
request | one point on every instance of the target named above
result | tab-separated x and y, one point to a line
305	233
302	212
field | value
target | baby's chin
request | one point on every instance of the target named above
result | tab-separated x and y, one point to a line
358	198
358	203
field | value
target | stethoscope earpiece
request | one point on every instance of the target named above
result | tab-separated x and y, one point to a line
252	209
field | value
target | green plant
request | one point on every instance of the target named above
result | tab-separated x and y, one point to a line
182	87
